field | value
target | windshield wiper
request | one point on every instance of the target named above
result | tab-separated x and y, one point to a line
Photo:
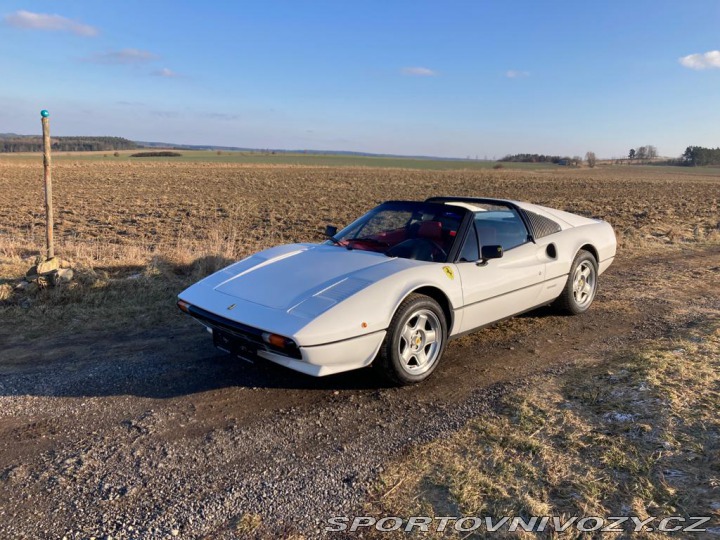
330	232
337	242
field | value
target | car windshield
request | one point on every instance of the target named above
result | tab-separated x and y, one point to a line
406	229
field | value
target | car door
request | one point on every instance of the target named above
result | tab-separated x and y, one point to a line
499	288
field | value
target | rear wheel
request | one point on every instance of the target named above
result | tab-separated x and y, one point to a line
581	286
415	341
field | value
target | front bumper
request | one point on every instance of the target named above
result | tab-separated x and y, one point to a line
316	360
330	358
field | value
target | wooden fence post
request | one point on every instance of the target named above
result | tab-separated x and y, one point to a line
48	184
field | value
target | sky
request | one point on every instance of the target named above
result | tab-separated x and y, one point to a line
481	78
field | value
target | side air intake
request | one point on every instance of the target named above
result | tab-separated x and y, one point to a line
542	226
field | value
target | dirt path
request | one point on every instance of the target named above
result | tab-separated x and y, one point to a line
141	435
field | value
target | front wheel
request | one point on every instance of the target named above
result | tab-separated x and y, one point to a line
415	341
581	286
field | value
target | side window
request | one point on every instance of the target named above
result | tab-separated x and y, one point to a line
470	251
502	227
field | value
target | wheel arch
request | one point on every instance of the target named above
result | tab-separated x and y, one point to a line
592	250
440	297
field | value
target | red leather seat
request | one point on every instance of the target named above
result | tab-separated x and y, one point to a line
431	230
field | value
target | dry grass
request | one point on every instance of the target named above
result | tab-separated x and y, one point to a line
126	286
638	436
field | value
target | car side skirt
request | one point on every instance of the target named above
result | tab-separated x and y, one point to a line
493	323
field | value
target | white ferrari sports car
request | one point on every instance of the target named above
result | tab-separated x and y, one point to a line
393	287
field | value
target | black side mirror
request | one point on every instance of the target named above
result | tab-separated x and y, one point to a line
489	252
330	231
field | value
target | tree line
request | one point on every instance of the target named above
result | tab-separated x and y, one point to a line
697	156
66	144
533	158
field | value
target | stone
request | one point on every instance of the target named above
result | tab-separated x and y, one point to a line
48	266
65	274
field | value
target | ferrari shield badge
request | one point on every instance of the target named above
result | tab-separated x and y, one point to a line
449	272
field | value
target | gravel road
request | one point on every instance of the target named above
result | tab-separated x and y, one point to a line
155	434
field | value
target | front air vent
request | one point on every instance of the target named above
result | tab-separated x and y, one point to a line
343	289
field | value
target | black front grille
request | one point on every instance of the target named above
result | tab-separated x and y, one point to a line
541	226
243	333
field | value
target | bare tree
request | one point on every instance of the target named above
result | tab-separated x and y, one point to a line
651	151
642	152
591	159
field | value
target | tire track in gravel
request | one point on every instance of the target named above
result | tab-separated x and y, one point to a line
139	436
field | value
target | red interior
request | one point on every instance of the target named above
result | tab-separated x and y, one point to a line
429	230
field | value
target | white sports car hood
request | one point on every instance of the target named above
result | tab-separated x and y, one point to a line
281	278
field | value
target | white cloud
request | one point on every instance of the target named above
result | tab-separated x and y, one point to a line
124	56
418	71
165	72
708	60
43	21
515	74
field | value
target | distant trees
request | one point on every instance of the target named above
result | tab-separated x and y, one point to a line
591	159
643	152
646	152
574	161
159	153
533	158
697	156
33	143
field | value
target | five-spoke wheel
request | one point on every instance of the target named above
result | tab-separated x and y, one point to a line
584	283
415	340
581	286
420	341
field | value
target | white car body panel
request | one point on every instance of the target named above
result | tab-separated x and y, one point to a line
502	287
337	304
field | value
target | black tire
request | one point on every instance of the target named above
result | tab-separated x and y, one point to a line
392	360
570	301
